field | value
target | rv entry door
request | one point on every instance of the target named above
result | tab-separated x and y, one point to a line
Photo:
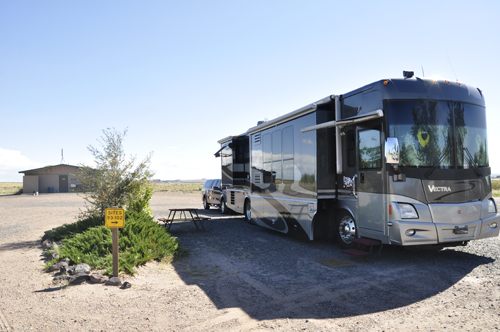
369	179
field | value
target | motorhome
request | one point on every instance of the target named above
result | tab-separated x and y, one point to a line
399	161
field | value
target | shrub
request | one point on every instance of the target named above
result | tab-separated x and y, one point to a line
68	230
114	180
140	241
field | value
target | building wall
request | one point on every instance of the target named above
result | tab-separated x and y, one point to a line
46	181
73	182
42	179
30	184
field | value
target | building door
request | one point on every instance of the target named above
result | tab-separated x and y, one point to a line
63	183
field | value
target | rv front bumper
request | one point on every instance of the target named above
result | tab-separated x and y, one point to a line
422	233
490	227
411	233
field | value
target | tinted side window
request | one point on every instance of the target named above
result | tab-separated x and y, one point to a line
369	149
287	135
277	156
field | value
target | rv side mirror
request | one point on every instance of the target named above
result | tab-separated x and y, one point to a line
392	150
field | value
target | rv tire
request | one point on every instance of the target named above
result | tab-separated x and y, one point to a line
346	230
223	206
248	212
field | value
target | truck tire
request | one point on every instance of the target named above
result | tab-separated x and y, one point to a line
206	206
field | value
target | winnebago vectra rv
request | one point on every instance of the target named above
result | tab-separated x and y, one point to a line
398	161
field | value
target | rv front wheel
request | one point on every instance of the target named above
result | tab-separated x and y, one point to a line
346	230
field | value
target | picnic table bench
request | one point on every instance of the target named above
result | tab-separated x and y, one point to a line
183	212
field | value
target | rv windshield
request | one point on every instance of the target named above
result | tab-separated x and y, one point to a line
438	133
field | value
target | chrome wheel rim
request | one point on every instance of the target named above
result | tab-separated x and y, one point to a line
347	229
248	211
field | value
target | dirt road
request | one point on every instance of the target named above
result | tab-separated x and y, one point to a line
241	277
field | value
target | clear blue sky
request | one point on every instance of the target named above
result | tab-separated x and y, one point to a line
181	75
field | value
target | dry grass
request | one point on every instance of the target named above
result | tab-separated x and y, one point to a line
11	188
14	188
186	188
495	185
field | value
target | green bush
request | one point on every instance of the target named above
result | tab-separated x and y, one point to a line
69	230
140	241
114	180
140	199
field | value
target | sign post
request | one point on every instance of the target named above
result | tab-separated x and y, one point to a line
114	218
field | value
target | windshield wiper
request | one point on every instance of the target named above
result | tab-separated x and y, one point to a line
471	160
440	159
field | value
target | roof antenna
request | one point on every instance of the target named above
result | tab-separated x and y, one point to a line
62	157
423	75
452	67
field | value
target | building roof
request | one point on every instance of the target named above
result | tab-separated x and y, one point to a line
47	167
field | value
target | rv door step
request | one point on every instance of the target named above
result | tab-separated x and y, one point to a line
356	252
365	242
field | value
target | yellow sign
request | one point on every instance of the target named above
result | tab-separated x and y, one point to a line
114	218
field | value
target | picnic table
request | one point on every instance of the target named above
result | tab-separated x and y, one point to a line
184	214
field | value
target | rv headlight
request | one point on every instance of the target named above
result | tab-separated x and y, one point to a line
408	211
492	207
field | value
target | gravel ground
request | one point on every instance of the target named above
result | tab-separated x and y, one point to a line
244	278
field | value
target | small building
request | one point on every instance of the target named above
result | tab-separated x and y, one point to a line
51	179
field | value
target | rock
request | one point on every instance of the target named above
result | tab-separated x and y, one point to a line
65	259
60	278
82	268
98	278
113	281
52	256
126	285
57	266
79	279
47	244
66	269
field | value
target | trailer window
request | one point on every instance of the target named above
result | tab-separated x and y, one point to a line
369	149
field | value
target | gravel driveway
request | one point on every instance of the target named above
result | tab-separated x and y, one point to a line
243	277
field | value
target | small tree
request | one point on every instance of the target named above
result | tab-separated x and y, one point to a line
115	181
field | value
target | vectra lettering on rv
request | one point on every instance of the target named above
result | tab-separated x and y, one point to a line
438	189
